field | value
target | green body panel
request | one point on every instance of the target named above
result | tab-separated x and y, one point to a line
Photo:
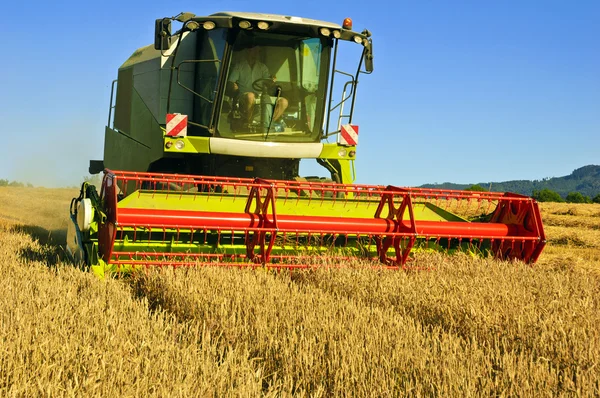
136	139
332	151
124	153
191	145
347	174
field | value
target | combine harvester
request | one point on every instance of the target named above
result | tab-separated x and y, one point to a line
207	130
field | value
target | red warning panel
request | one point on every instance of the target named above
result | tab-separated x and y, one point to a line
177	125
349	135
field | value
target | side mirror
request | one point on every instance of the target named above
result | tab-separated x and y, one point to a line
162	34
369	57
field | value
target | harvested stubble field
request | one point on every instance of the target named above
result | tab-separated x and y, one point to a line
469	327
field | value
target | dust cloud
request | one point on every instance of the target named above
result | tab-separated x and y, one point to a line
59	158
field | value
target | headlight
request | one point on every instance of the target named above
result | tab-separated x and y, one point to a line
179	144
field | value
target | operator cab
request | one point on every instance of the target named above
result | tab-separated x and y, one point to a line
293	58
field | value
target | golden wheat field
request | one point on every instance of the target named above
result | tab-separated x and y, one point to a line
466	327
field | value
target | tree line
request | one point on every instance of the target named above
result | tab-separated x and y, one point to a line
548	195
6	183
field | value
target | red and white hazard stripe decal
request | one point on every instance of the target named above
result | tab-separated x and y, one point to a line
349	135
176	125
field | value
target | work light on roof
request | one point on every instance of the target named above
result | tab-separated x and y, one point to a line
358	39
347	24
245	24
325	31
192	25
337	34
262	25
208	25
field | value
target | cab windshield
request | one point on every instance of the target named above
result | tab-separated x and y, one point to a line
275	88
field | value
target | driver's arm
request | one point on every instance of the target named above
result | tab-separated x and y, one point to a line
234	76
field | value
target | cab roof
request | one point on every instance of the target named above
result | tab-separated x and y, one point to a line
278	18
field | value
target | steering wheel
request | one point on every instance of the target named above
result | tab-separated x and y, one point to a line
262	84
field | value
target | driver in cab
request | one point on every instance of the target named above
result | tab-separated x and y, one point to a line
245	72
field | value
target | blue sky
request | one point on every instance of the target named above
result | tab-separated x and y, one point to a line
463	91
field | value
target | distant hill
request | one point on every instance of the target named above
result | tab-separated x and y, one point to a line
585	180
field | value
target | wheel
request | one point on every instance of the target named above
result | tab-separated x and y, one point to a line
262	84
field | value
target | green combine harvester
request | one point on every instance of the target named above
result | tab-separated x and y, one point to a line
202	151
